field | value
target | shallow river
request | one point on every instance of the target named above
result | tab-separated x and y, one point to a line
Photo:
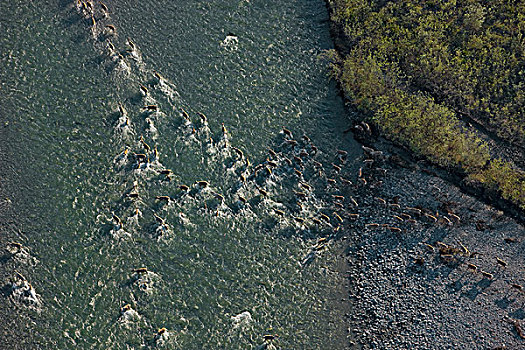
228	260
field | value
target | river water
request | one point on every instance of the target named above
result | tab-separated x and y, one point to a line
228	261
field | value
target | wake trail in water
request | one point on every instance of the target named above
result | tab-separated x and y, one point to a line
290	193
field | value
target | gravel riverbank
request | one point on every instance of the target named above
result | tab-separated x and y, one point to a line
429	266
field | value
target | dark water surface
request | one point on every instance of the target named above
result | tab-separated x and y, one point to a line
221	273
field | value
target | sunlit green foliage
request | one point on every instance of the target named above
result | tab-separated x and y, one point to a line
510	181
414	66
467	54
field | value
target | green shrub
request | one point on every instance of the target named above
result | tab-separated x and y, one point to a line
413	65
468	55
500	175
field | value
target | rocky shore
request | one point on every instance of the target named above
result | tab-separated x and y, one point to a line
451	277
435	262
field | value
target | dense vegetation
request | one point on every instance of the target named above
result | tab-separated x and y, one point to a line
418	67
